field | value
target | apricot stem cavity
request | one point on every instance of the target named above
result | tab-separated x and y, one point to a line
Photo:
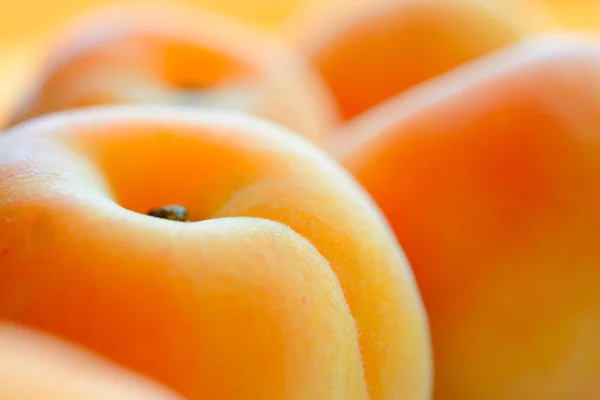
172	212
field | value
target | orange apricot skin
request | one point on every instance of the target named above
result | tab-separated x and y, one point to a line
35	366
176	54
490	178
290	285
369	51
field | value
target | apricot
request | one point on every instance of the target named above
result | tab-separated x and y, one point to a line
165	53
285	283
35	366
490	178
369	51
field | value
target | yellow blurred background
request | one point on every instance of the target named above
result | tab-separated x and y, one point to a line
23	20
25	24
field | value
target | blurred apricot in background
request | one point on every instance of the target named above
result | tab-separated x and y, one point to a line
490	178
175	54
25	26
368	51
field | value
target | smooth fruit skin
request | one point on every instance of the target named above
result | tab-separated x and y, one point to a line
35	366
174	54
290	285
369	51
490	178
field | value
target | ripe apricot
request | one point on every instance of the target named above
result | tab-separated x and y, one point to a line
490	178
35	366
289	284
162	53
369	51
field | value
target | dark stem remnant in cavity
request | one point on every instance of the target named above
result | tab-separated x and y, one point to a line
173	212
